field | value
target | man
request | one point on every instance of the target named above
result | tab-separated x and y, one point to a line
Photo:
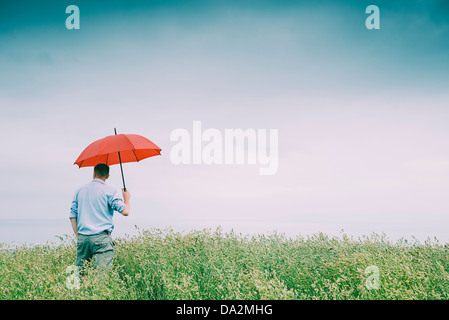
91	216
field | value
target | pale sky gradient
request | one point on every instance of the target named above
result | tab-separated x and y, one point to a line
362	115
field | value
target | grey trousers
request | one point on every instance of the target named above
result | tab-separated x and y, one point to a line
98	247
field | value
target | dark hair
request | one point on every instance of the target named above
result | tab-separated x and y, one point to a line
101	170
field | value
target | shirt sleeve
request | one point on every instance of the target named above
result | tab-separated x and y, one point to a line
74	207
117	203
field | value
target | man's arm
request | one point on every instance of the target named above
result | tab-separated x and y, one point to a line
74	213
126	197
74	226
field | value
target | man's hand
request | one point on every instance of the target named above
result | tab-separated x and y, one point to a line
74	226
126	197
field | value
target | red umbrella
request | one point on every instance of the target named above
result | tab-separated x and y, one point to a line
119	148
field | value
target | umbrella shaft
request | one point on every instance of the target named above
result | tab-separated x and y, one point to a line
121	169
120	159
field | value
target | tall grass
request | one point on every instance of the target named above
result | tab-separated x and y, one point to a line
163	264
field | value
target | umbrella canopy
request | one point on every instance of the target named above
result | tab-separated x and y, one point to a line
117	148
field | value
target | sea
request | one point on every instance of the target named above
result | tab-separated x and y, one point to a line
56	231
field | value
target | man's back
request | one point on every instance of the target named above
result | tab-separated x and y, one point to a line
93	206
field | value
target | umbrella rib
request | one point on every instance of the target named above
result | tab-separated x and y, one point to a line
107	157
133	146
135	155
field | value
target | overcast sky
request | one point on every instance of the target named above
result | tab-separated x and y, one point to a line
362	114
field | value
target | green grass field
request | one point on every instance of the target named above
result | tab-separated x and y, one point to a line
163	264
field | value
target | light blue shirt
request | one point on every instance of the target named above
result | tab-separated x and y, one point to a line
93	206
